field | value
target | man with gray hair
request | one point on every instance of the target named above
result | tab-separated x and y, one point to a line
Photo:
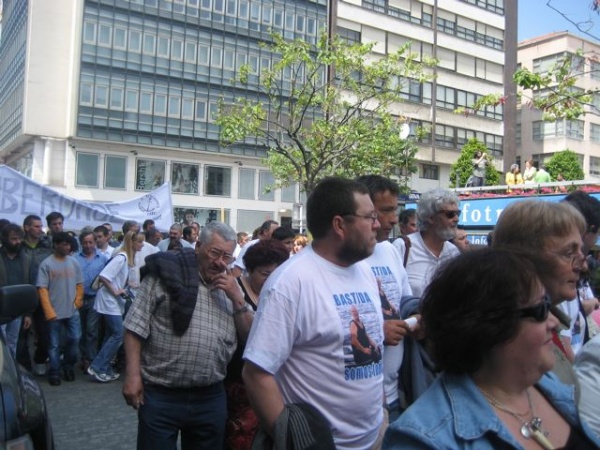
180	334
437	220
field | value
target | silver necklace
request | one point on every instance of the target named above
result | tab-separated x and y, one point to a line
529	429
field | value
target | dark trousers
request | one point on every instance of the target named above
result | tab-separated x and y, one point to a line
198	413
40	327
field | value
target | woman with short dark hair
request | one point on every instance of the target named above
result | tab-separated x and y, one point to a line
487	320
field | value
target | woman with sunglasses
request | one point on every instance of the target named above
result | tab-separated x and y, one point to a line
486	315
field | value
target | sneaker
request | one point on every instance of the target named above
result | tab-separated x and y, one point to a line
39	369
54	381
103	377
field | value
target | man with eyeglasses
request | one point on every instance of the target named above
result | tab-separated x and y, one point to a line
181	333
300	349
437	216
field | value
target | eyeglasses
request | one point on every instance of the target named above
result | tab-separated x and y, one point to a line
372	216
573	256
538	312
450	214
216	254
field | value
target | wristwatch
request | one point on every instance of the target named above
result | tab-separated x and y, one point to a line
241	310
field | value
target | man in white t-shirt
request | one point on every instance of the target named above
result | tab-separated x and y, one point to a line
317	336
437	217
391	276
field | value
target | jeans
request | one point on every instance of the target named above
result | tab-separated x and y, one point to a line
11	334
88	345
113	333
72	327
199	413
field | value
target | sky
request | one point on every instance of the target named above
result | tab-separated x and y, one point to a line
536	18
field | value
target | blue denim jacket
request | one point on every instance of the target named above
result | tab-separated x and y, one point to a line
452	414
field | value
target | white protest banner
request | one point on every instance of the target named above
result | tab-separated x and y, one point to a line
21	196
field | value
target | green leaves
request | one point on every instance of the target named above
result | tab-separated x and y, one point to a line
567	163
314	125
462	169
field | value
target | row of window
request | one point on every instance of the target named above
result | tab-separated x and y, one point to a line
546	63
572	129
184	177
447	22
255	16
451	60
496	6
12	69
156	98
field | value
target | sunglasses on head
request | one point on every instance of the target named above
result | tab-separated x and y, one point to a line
450	214
538	312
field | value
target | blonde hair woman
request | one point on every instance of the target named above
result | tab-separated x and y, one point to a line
110	303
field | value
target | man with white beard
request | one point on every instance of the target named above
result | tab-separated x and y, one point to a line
437	217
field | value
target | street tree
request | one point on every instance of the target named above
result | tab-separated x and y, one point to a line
462	169
314	125
566	163
553	92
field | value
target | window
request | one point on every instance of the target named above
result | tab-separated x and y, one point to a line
131	100
146	102
163	47
85	94
120	39
246	184
429	172
87	170
177	49
217	181
594	165
595	132
444	136
101	99
135	41
160	104
104	35
265	186
149	44
595	70
174	106
288	193
116	98
187	109
89	32
190	52
445	97
114	172
201	110
575	129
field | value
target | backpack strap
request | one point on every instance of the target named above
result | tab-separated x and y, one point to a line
407	244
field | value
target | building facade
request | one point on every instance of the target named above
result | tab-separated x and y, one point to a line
539	140
109	99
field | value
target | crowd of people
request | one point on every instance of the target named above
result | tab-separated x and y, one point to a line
354	340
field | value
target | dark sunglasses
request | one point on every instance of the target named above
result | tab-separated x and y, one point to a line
539	312
450	214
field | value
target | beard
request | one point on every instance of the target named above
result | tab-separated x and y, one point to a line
446	233
10	248
352	252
